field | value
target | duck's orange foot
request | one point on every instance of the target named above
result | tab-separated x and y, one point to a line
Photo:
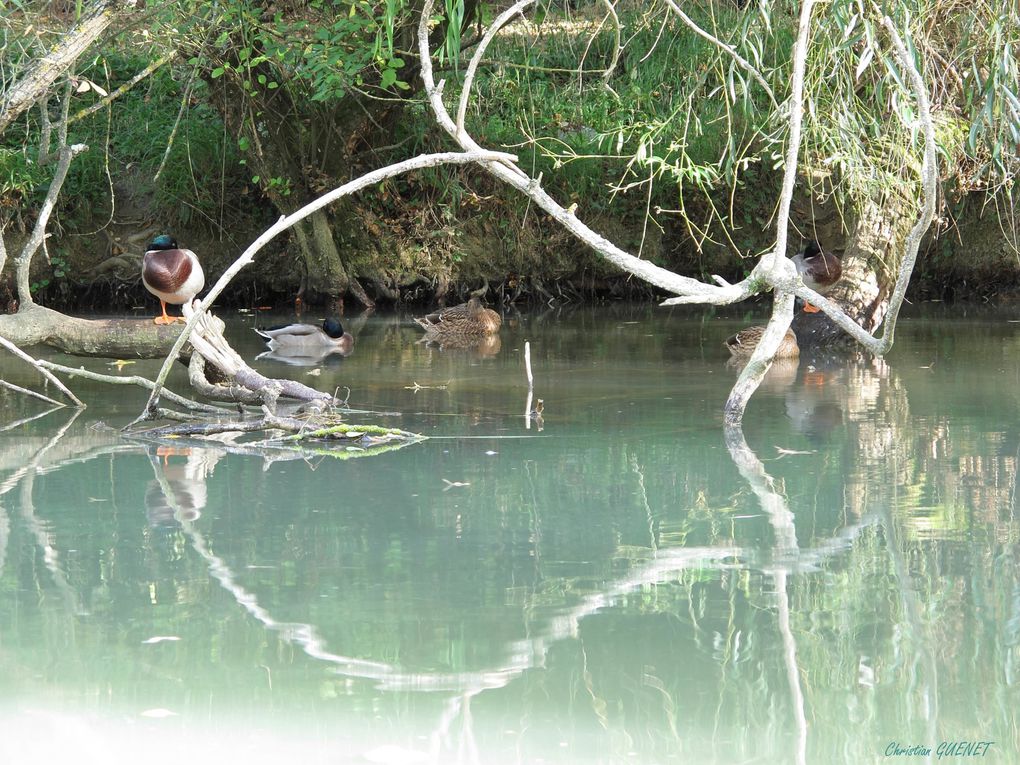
164	320
808	308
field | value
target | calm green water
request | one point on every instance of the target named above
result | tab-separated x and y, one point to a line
616	584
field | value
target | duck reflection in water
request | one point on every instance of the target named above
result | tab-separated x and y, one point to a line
306	345
815	407
485	347
178	493
303	357
783	371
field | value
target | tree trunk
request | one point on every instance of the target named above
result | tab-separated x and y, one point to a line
324	269
870	266
297	153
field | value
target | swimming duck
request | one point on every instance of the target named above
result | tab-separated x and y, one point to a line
745	341
819	270
468	319
172	274
330	337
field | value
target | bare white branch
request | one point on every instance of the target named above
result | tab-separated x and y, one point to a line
141	382
24	261
617	46
469	75
929	179
514	176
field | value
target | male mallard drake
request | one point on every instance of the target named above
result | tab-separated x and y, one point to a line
330	337
745	341
172	274
819	270
468	319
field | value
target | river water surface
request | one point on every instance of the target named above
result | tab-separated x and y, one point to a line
618	582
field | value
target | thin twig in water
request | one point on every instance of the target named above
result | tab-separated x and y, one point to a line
789	452
42	370
416	387
32	393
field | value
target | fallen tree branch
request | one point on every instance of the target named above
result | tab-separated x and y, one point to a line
208	341
233	393
43	72
141	382
112	338
296	429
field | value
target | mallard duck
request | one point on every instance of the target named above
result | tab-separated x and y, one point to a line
330	337
468	319
172	274
819	270
745	341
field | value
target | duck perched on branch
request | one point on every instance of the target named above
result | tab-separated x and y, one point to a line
470	319
329	338
172	274
742	344
820	270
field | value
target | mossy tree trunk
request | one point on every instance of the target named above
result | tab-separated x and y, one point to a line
870	267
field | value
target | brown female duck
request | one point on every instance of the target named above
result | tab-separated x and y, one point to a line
470	319
742	344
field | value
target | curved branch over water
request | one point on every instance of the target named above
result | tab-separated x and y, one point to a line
287	221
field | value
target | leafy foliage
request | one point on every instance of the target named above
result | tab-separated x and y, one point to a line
680	111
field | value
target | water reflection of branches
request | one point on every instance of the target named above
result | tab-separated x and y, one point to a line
786	547
26	477
547	626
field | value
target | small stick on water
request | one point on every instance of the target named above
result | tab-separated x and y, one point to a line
531	385
527	364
